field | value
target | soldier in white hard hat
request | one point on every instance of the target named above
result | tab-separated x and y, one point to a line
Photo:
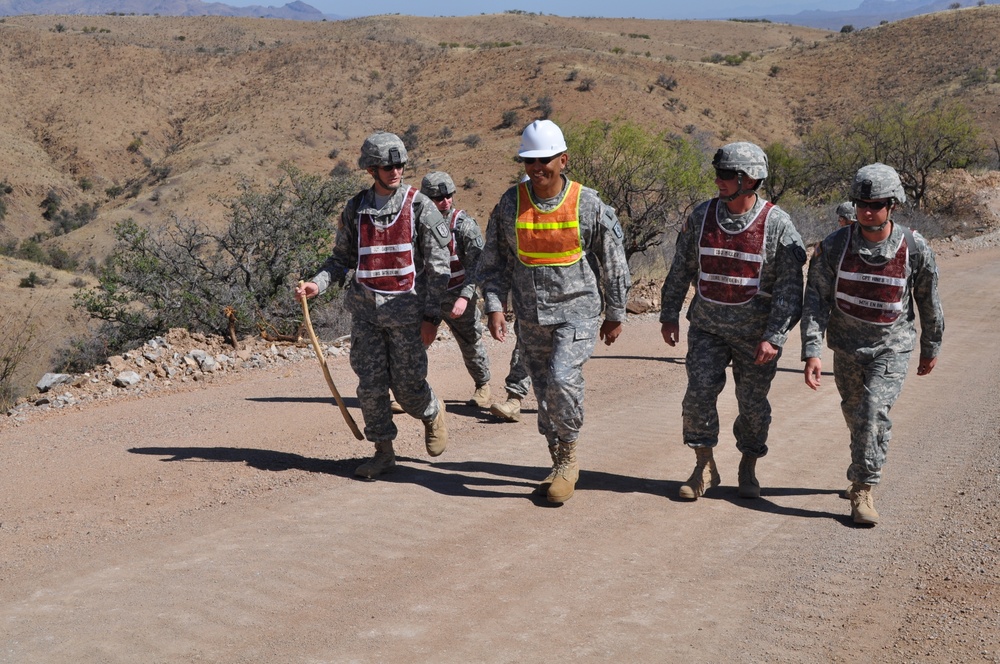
460	305
846	214
555	246
745	258
396	242
864	280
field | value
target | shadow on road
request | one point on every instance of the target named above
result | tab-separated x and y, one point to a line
261	459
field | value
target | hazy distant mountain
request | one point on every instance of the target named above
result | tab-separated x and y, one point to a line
869	13
297	10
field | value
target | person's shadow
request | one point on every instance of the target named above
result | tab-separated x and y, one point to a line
481	479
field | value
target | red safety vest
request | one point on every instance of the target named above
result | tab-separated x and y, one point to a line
457	269
549	238
730	263
871	293
385	251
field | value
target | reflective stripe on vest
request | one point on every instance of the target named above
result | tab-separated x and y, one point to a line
457	269
868	292
385	251
729	264
549	238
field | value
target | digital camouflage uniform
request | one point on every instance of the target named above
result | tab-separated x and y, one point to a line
468	329
719	333
386	349
557	308
870	360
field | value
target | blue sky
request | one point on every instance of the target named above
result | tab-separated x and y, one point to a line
657	9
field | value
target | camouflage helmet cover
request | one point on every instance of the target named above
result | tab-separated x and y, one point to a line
382	149
847	211
877	181
437	183
743	156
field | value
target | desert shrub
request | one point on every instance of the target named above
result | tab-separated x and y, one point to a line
571	76
5	191
472	140
65	221
509	119
114	191
469	183
187	275
85	184
30	281
847	29
666	82
544	107
586	85
411	137
18	341
135	145
50	205
652	180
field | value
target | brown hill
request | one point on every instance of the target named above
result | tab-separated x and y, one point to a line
174	112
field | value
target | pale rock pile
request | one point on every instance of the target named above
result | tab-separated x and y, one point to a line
163	363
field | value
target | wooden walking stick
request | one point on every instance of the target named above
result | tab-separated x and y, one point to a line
326	370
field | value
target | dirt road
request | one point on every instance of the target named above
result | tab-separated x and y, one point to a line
222	523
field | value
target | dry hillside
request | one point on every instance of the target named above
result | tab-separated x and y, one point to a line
176	111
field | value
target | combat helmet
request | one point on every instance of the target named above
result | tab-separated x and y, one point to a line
847	211
382	149
437	184
876	182
743	157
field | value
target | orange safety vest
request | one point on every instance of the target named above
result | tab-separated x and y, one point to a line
549	238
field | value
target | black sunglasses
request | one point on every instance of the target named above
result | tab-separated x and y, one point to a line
541	160
441	198
726	174
392	167
874	206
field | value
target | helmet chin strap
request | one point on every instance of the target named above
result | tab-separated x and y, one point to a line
740	191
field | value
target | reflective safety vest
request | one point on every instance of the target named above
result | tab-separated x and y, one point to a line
385	251
549	238
730	263
868	292
457	269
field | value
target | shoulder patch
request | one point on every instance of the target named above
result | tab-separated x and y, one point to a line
610	221
800	253
442	233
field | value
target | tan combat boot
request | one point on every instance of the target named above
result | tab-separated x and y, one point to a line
567	472
436	433
543	487
510	409
704	476
481	397
384	461
395	407
749	486
863	504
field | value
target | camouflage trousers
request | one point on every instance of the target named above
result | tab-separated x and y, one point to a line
555	355
708	355
468	330
868	389
386	357
517	381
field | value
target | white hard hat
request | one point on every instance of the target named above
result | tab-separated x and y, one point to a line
542	138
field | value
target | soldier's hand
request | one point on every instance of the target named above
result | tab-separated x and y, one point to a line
766	352
814	368
459	308
671	333
498	325
610	329
926	365
306	289
428	333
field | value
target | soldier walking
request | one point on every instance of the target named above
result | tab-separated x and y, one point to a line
863	282
745	259
544	242
396	242
460	304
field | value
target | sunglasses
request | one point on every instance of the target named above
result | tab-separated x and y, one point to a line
392	167
540	160
874	206
441	198
726	174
